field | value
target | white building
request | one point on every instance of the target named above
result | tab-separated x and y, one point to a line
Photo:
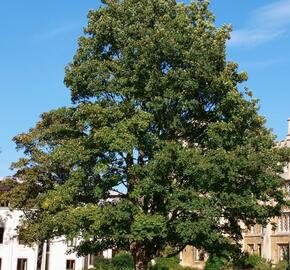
15	256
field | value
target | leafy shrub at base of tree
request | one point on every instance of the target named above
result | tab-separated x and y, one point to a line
124	261
246	262
165	264
102	264
121	261
168	264
283	265
256	262
215	263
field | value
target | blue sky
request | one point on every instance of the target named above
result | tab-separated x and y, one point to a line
38	38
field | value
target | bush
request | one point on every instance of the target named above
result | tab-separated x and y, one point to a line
256	262
102	264
168	264
216	263
246	262
123	260
283	265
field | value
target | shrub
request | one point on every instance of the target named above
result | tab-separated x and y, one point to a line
245	262
102	264
123	260
165	264
215	263
283	265
256	262
168	264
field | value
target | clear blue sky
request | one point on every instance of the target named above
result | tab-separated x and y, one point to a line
38	38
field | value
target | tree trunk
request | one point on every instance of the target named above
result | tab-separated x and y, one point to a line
141	264
140	256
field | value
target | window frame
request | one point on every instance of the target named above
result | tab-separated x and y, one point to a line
2	235
283	252
68	267
22	262
71	242
284	223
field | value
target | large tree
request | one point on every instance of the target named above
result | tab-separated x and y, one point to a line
159	148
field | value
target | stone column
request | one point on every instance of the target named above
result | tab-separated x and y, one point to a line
266	242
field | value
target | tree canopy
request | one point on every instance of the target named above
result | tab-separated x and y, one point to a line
159	148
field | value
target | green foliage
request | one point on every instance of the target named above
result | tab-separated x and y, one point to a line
121	263
103	264
282	265
215	263
111	267
256	262
166	264
123	260
159	144
253	262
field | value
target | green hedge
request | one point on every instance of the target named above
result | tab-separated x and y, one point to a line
168	264
121	261
249	262
124	261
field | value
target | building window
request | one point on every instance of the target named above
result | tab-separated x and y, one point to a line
199	255
21	264
256	229
252	229
1	235
4	204
284	223
287	190
70	264
259	249
71	242
250	248
283	252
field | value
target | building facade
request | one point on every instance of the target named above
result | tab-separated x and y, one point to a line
55	253
271	242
